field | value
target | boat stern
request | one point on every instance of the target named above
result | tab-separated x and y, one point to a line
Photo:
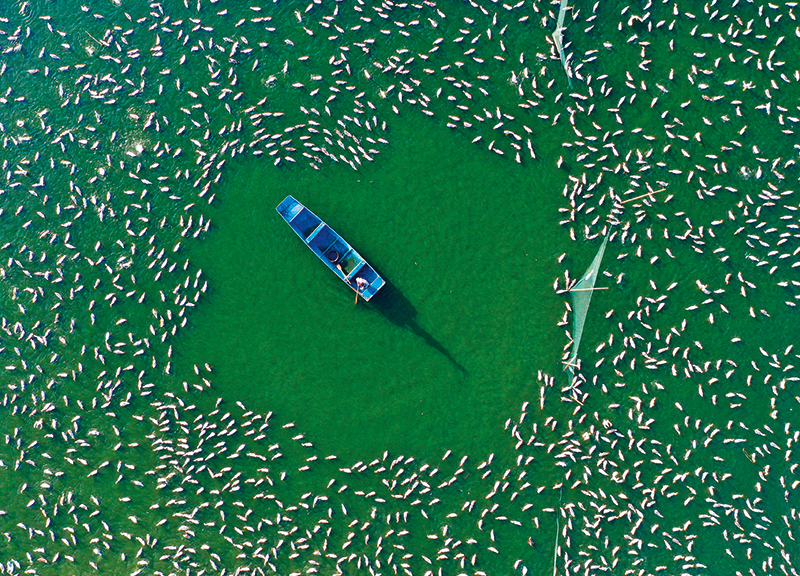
372	288
373	279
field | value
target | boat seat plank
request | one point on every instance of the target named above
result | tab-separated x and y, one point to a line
322	239
355	270
305	222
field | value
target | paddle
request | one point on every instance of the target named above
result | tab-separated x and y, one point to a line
344	274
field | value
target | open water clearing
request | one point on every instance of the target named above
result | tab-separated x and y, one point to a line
186	390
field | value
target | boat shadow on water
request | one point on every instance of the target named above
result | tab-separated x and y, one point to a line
395	307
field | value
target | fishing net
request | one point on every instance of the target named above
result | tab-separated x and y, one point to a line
557	37
581	294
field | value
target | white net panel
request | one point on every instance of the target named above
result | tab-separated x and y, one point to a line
557	38
581	294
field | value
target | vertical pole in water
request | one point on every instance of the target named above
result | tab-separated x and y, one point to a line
555	552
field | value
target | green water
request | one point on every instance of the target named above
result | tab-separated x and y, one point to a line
436	363
187	389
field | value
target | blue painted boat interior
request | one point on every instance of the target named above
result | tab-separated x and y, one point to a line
305	222
331	248
289	208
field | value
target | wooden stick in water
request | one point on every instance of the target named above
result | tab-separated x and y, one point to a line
642	196
106	44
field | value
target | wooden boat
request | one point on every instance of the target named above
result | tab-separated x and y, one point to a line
331	248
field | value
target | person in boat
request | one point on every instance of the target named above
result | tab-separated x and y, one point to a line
361	284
